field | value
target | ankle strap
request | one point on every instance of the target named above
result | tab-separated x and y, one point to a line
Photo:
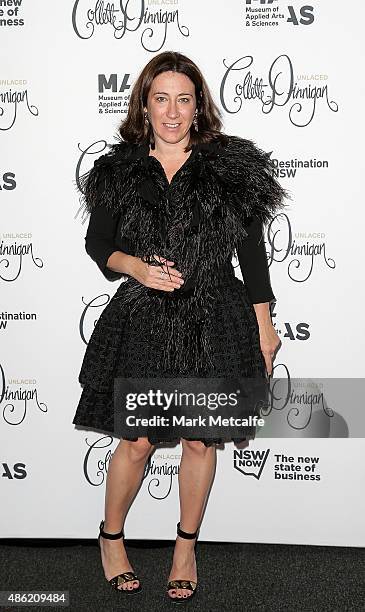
185	534
110	536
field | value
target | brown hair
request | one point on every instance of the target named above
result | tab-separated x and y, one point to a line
134	129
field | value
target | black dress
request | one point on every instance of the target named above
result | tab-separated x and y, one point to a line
122	343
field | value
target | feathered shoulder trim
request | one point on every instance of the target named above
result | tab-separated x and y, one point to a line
248	174
244	172
100	186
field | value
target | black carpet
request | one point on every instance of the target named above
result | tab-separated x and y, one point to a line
231	577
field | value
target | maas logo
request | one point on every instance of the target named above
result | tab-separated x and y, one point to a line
125	16
17	471
8	181
113	93
250	462
294	329
112	83
270	14
279	88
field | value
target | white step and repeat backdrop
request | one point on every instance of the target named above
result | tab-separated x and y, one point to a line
287	75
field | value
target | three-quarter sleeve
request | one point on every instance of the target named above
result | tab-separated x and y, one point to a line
254	267
100	239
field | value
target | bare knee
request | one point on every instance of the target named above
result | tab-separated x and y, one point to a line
196	447
137	450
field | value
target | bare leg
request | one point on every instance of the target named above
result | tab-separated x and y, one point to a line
124	478
196	475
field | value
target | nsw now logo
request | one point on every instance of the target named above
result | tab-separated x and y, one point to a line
250	462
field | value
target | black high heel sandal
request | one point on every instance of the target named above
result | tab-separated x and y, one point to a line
125	576
183	584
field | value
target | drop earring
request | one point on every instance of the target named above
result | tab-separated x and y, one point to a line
146	120
195	121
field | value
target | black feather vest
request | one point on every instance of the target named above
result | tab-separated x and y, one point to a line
197	221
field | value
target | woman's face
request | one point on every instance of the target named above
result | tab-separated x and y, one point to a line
171	105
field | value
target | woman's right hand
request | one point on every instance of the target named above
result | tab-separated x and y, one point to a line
150	275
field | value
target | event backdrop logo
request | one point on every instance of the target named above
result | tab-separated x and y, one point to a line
298	406
240	86
16	397
96	148
8	182
11	99
288	168
96	468
300	468
250	462
17	471
293	330
301	250
6	317
113	96
13	249
100	301
10	14
125	16
159	473
270	14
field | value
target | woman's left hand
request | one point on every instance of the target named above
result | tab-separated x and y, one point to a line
269	342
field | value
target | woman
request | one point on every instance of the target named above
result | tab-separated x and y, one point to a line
169	205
